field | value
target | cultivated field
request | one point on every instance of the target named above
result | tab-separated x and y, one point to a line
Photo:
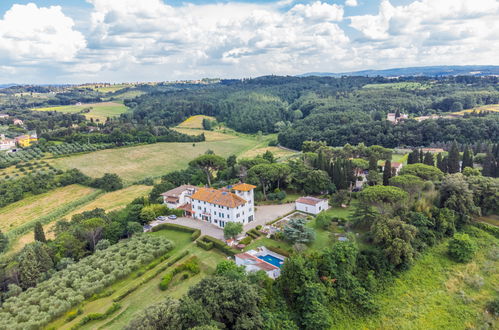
109	201
194	121
99	111
437	293
489	107
153	160
149	292
33	207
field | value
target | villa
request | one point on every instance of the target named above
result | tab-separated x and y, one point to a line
178	196
261	259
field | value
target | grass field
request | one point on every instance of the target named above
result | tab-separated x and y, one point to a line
398	85
153	160
99	111
109	201
489	107
490	219
436	293
148	293
33	207
194	122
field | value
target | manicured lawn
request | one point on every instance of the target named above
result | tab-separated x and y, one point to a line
152	160
149	292
264	241
33	207
341	212
436	293
99	111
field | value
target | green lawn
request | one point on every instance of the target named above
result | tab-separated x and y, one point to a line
152	160
436	293
148	293
99	111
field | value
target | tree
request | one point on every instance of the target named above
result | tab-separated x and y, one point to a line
413	157
266	174
34	262
441	164
428	159
312	302
268	155
133	228
317	182
467	158
232	229
490	166
462	248
108	182
92	230
230	270
384	198
387	172
395	237
158	189
4	242
408	182
453	159
208	164
425	172
296	231
233	303
39	233
455	194
163	315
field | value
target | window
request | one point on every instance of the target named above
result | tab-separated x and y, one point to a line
250	218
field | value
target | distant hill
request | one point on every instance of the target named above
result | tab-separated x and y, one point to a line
7	85
453	70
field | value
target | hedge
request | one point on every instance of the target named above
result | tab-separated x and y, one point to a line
245	240
220	245
173	226
204	245
97	316
191	265
278	250
493	230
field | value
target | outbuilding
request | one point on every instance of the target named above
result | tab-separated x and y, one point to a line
311	205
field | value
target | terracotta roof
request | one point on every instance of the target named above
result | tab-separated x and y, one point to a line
254	261
309	200
243	187
172	199
185	207
218	197
177	191
397	164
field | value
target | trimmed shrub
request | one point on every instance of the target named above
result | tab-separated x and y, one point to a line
173	226
220	245
204	245
246	240
195	235
278	250
191	265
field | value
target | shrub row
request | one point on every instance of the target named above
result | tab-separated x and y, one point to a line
191	265
278	250
204	245
173	226
218	244
246	240
97	316
493	230
253	233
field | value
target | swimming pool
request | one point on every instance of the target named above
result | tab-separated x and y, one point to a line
272	260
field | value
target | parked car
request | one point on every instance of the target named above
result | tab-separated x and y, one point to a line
162	218
172	217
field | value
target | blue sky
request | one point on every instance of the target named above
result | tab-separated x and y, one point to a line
48	41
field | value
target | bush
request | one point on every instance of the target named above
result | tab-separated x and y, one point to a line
218	244
278	251
204	245
246	240
493	307
195	234
74	314
191	265
462	248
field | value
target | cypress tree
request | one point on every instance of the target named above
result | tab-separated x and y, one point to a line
39	233
421	156
4	241
428	159
373	163
445	165
387	173
489	166
453	159
440	163
467	158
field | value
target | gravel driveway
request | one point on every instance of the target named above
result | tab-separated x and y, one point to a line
267	213
206	227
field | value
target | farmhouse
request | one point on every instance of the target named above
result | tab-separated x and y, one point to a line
219	206
311	205
392	117
396	167
26	140
261	259
179	196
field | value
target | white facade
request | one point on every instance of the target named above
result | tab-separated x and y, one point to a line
252	263
311	205
178	196
222	206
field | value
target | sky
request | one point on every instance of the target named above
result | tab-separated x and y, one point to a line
77	41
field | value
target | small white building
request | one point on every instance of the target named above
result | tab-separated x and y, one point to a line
261	259
6	143
219	206
179	196
311	205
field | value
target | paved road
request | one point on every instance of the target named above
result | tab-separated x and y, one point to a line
263	214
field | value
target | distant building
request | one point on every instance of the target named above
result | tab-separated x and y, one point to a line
360	177
3	115
396	167
18	122
26	140
433	150
6	143
311	205
392	117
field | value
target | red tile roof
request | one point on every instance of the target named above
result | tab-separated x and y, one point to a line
218	197
309	200
177	191
243	187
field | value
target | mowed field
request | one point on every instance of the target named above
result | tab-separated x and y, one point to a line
99	111
33	207
489	107
153	160
194	121
109	201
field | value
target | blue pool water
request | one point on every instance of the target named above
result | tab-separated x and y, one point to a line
271	260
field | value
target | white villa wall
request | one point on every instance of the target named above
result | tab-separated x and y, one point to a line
312	209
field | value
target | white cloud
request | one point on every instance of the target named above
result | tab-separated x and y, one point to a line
29	34
351	3
319	11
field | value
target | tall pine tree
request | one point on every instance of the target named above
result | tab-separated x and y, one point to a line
387	173
453	159
440	163
489	166
467	158
421	156
39	233
428	159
